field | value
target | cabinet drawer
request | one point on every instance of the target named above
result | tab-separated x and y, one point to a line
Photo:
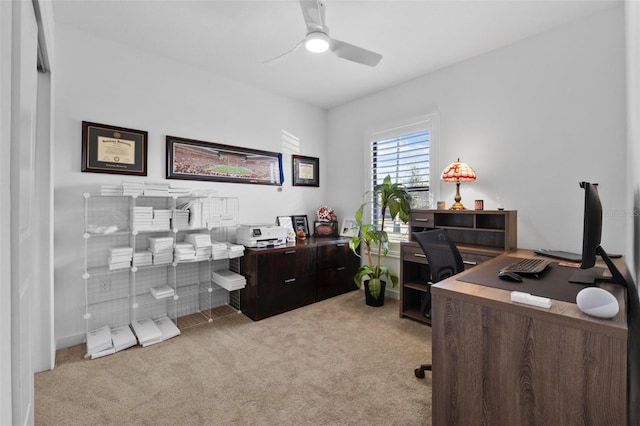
286	264
422	219
331	256
411	253
278	297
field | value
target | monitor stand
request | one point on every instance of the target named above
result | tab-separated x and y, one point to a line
591	275
588	276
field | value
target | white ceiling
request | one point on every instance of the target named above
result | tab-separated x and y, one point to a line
234	38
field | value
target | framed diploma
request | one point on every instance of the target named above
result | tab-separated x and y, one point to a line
305	171
110	149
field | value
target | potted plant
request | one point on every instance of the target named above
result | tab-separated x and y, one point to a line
375	242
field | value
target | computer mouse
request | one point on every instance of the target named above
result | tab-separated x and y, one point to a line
509	276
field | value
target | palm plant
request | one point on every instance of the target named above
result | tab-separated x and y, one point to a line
397	200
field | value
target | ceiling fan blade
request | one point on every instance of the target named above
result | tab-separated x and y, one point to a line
285	53
353	53
313	12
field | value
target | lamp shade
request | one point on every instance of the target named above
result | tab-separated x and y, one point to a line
458	172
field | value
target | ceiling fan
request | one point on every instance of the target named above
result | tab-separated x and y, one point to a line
317	39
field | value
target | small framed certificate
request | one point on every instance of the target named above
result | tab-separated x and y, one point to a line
111	149
305	171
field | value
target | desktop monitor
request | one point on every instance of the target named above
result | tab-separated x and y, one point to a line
591	237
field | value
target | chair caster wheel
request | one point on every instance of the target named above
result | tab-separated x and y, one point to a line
419	373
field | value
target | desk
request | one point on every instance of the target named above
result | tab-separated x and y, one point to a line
500	363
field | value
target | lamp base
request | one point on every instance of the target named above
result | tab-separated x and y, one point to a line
457	206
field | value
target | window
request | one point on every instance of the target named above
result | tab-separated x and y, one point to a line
405	152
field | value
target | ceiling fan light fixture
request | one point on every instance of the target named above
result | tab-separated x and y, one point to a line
317	42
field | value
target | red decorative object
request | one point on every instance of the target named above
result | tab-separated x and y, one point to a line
326	214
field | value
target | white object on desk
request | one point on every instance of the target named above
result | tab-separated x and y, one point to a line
529	299
597	302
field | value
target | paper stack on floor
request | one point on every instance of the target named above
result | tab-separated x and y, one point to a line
147	332
105	341
166	327
228	280
99	342
122	337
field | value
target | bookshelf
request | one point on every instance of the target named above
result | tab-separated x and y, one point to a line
480	235
142	260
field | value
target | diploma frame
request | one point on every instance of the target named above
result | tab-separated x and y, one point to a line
305	171
111	149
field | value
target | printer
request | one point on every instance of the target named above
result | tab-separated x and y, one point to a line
261	235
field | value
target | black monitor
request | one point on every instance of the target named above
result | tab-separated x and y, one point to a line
591	236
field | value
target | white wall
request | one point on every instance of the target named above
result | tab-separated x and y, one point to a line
533	119
101	81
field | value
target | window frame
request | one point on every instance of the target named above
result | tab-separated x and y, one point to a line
428	121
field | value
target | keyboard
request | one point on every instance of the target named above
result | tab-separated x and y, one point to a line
528	266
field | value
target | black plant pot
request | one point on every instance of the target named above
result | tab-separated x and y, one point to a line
368	297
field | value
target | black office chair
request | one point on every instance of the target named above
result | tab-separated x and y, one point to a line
444	261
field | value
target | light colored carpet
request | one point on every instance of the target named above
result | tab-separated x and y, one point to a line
336	362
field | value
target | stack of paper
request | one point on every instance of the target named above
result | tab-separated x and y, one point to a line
162	249
219	250
132	188
156	189
167	327
161	220
184	252
228	280
235	250
120	257
110	190
147	331
180	219
202	243
180	192
162	291
99	342
142	258
122	337
142	218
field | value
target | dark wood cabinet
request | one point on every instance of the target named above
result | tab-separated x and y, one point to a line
480	235
285	278
336	267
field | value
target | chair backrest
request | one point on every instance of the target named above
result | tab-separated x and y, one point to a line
442	254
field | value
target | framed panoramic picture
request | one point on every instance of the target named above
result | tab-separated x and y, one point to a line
197	160
305	171
111	149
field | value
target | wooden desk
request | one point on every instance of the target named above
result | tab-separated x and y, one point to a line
500	363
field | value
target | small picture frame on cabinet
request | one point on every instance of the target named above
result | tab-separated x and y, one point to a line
300	223
285	222
349	228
